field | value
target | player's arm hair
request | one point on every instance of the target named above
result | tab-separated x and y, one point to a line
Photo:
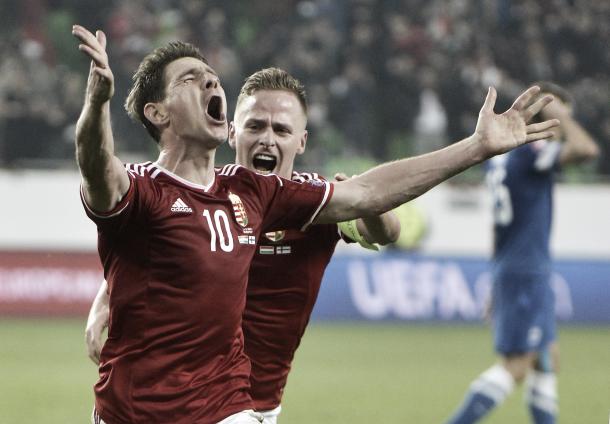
105	180
97	321
389	185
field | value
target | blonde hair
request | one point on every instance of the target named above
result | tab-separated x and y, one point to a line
273	79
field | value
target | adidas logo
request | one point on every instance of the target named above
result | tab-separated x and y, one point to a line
180	206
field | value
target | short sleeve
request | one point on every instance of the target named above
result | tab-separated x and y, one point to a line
293	204
115	219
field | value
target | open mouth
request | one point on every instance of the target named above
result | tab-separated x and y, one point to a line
264	163
214	109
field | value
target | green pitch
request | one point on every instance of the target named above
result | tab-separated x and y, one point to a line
343	373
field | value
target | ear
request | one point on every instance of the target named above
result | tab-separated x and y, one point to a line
232	135
302	143
156	114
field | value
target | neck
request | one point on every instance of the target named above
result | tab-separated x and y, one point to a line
194	164
287	175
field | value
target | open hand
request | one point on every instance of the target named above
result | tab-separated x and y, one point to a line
504	132
100	84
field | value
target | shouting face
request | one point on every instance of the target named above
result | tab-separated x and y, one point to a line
269	131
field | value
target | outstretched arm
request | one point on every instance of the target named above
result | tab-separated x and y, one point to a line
578	145
387	186
105	180
380	229
97	322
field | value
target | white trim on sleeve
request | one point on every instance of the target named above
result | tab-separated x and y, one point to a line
322	204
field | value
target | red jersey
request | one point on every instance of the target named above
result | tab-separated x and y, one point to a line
176	257
283	286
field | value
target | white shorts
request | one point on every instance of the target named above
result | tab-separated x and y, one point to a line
270	417
244	417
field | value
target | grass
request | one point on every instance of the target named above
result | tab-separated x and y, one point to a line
343	373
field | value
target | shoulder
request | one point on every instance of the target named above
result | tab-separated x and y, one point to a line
310	179
302	177
244	182
234	172
144	170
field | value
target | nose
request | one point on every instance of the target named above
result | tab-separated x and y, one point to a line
267	139
211	82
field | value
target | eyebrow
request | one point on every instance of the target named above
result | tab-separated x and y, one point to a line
260	121
195	70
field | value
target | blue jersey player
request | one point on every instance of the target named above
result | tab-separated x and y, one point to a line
522	300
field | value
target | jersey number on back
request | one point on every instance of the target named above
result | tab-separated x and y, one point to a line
219	229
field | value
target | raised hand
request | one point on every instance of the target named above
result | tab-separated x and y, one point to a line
500	133
100	84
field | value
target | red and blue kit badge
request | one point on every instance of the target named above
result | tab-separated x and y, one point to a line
238	210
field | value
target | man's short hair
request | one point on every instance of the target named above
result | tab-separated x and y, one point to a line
547	87
273	79
148	85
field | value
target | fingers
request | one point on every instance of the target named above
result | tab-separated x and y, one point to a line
524	99
85	36
340	176
96	56
542	126
101	38
490	100
541	131
93	46
536	107
545	135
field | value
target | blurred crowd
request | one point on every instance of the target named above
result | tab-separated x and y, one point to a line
384	78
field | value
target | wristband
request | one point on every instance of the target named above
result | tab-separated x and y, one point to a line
350	229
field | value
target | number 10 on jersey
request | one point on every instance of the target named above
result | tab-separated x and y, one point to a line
219	230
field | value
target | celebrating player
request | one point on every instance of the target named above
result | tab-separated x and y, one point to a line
522	301
176	237
287	269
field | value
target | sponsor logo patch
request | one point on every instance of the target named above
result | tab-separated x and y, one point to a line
180	206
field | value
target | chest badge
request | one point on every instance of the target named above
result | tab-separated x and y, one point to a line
239	210
275	236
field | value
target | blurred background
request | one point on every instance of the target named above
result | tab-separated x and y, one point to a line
385	79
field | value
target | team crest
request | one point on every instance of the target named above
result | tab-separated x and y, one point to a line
238	210
275	235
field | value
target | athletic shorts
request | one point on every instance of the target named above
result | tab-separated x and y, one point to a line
270	417
523	314
244	417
